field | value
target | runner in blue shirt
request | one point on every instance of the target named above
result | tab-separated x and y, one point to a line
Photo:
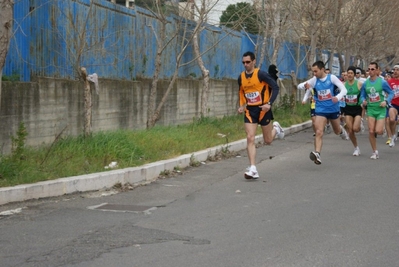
328	91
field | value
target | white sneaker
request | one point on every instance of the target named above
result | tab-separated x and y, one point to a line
392	142
279	130
344	134
315	157
328	128
251	173
356	152
374	156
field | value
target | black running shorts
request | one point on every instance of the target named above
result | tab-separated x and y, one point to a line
256	115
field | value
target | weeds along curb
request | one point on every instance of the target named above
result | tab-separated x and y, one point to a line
133	176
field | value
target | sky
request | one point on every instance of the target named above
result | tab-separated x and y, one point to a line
216	12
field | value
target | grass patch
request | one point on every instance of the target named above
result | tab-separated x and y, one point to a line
73	156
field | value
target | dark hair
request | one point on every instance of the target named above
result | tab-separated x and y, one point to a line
273	71
352	68
374	63
250	54
319	64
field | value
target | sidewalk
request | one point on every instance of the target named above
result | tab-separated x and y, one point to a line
134	176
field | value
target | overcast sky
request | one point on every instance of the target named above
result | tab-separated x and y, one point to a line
216	12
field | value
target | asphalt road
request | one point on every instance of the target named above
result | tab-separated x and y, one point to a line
344	212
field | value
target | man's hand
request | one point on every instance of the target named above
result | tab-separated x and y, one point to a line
334	99
265	107
241	109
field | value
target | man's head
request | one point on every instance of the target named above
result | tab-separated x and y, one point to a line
327	71
396	71
318	69
351	72
248	59
344	76
358	73
373	69
273	71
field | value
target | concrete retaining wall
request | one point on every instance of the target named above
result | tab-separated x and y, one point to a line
51	106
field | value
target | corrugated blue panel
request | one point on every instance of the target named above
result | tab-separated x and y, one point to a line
15	64
55	38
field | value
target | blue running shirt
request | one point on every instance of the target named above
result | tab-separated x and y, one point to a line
324	92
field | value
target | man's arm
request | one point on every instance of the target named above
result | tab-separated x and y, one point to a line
387	89
263	76
363	94
241	97
307	95
341	87
308	84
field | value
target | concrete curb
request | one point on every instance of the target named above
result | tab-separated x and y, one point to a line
135	176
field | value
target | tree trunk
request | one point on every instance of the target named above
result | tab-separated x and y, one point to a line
156	113
205	76
152	117
88	104
276	36
312	54
6	18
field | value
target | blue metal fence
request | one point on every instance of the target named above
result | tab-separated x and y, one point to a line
54	38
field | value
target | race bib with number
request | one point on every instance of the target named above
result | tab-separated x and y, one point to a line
253	98
351	99
374	97
323	95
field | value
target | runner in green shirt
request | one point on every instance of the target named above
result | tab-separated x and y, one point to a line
372	96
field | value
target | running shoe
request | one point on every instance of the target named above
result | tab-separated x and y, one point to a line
344	134
315	157
392	143
328	128
388	141
374	156
279	130
251	173
356	153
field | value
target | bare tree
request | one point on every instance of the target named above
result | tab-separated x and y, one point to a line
6	19
181	38
201	12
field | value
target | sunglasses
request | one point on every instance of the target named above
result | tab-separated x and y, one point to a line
246	62
370	69
358	73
